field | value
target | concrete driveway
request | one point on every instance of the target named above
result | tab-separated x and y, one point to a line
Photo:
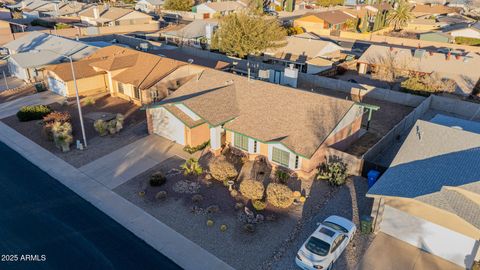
129	161
387	252
11	107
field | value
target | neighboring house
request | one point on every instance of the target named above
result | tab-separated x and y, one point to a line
30	53
301	48
374	14
460	67
433	10
112	16
436	37
429	197
464	30
290	127
149	6
29	9
333	20
211	9
129	74
64	9
196	34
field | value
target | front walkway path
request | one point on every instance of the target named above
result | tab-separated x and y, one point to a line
175	246
43	98
129	161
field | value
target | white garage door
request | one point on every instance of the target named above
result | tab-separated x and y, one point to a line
428	236
57	86
168	126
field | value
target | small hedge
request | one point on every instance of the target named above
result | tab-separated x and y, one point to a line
194	149
252	189
35	112
62	117
279	195
468	41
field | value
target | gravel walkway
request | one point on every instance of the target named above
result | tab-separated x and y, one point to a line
348	201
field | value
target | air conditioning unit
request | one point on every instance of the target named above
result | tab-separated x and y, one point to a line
144	46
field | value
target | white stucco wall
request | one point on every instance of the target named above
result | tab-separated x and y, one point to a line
167	125
470	33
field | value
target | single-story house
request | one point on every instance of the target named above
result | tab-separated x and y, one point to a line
70	9
292	128
332	19
429	197
149	6
30	53
29	9
129	74
433	10
467	30
459	67
196	34
221	8
113	16
301	48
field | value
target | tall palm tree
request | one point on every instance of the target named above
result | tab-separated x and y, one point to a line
400	15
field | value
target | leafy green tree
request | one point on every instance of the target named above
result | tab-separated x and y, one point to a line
180	5
241	34
400	16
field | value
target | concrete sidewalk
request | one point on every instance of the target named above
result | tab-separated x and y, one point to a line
44	98
129	161
175	246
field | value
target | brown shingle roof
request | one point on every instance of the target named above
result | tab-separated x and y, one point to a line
268	112
434	9
141	69
333	16
109	14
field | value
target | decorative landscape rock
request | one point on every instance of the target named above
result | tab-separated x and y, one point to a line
239	205
197	210
186	187
173	172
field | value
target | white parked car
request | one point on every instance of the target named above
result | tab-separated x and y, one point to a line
326	244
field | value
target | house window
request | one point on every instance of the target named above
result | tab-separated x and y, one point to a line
296	162
136	92
117	23
241	141
254	146
280	156
121	87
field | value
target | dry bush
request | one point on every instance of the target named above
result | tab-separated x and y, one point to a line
222	170
252	189
279	195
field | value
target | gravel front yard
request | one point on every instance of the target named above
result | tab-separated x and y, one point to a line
134	129
236	247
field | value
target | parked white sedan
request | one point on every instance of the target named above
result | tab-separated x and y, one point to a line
326	244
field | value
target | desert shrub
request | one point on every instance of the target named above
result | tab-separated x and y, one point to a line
233	193
34	112
115	125
334	171
282	176
427	85
296	194
302	199
157	179
191	167
50	119
222	170
101	127
295	30
161	195
62	117
259	205
279	195
249	228
210	223
62	135
223	227
89	101
252	189
197	198
213	209
476	266
194	149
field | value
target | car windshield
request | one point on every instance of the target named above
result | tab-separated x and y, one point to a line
335	226
317	246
